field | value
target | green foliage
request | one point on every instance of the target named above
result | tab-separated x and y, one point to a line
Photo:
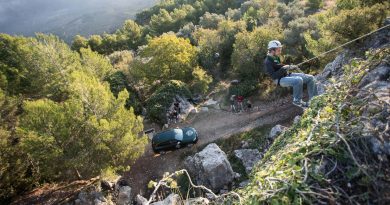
121	60
166	21
233	14
166	58
333	30
201	81
13	52
16	173
209	45
294	168
95	64
227	31
291	11
210	21
258	12
245	88
350	4
294	40
39	67
92	126
79	42
250	50
118	82
95	42
315	4
367	19
163	97
128	37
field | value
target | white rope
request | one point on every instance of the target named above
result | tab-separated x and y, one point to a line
365	35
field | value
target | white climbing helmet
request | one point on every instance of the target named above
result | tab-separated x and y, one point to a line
274	44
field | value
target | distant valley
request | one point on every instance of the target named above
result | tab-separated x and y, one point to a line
67	18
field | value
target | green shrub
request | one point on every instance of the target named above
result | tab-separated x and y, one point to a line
244	88
118	83
89	132
201	81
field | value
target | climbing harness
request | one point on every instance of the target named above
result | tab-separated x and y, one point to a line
365	35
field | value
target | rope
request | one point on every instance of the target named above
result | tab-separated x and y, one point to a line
365	35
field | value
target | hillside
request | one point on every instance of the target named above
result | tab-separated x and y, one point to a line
338	151
79	121
67	18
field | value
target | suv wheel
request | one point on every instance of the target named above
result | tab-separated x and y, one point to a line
178	145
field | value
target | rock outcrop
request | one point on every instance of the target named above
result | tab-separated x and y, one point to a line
276	131
248	157
210	168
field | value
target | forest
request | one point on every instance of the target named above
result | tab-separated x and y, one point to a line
70	112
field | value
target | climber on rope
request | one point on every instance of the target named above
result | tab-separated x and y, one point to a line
282	76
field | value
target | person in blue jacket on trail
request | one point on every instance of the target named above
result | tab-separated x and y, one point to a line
281	75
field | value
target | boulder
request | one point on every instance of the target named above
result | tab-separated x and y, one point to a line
210	168
204	109
124	195
276	131
196	201
381	73
92	198
172	199
297	119
141	200
380	38
185	107
237	175
248	157
244	144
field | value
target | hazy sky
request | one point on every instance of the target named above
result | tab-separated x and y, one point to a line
26	16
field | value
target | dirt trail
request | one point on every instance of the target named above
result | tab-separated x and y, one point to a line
211	125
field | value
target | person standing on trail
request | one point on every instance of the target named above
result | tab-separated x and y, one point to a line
240	100
176	106
232	103
281	76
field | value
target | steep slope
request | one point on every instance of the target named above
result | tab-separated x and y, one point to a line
339	151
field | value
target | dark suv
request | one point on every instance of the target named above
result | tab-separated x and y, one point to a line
174	138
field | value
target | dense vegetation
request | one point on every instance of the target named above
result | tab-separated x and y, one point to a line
59	118
326	157
69	112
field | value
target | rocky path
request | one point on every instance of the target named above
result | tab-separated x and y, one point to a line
211	125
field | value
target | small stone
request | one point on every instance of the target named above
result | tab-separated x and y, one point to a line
223	191
297	119
245	144
204	109
141	200
197	201
244	183
172	199
209	196
124	196
237	175
276	131
248	157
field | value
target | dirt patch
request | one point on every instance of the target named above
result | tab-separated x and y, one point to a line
211	125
